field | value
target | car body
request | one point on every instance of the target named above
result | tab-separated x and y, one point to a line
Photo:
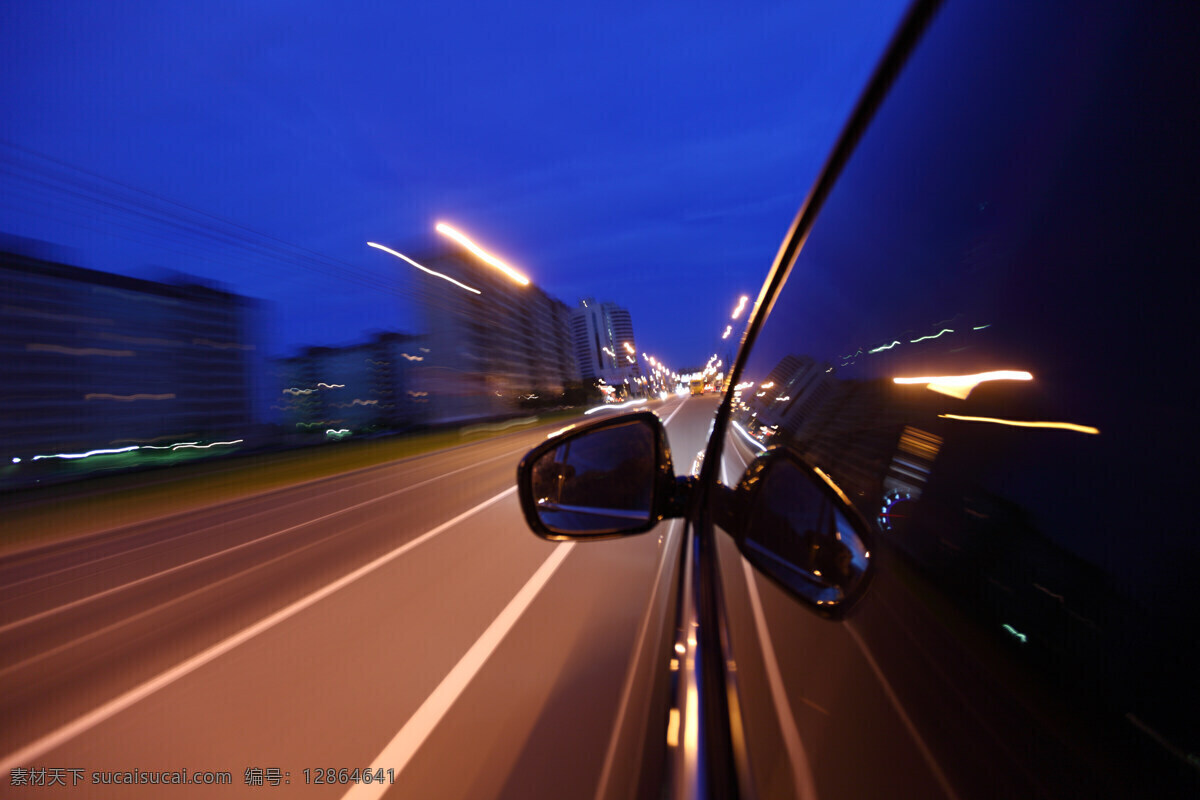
948	552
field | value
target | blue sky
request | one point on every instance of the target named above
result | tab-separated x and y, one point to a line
650	154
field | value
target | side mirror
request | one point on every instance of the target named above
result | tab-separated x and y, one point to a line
612	477
794	524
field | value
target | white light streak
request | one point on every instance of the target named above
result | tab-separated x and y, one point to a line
206	446
423	269
616	406
741	306
932	336
88	453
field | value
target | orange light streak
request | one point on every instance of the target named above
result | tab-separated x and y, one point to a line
483	255
1066	426
960	386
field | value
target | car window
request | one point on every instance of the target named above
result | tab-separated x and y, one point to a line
984	343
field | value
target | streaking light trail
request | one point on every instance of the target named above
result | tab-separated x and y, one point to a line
483	255
127	398
1066	426
741	306
1016	634
89	453
423	269
728	330
616	406
205	446
960	386
884	347
942	332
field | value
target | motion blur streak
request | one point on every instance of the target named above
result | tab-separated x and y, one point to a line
89	453
37	347
66	733
932	336
832	485
485	256
616	407
423	269
960	386
206	446
741	306
127	398
410	737
1066	426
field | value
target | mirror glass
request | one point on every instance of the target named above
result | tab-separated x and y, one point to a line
600	482
797	534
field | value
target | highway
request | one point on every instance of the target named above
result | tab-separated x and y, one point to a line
401	617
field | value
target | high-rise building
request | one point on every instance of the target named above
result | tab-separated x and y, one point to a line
492	345
97	361
604	345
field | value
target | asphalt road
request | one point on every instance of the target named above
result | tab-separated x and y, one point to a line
402	618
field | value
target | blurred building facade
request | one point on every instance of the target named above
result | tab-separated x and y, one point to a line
488	351
337	391
604	345
99	361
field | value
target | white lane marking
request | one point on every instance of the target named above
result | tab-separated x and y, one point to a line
673	413
908	723
251	516
174	601
45	744
631	670
400	750
802	775
153	576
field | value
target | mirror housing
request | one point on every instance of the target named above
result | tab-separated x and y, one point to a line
608	478
793	523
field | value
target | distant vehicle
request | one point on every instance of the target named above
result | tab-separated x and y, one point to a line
928	556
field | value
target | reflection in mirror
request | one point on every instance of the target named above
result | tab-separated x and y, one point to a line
796	532
599	483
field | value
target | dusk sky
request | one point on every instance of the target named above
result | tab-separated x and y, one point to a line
649	154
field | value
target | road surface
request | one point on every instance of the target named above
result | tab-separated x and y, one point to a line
403	620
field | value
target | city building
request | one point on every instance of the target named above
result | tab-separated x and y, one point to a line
97	361
494	344
604	344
